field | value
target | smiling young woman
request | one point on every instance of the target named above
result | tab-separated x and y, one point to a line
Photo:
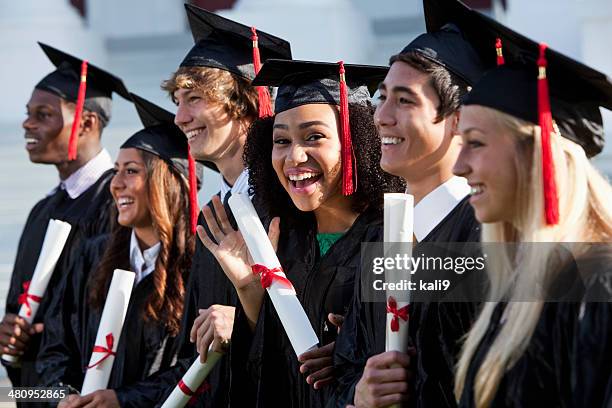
151	236
530	346
298	174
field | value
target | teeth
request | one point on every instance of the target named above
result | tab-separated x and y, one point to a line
302	176
31	140
125	201
193	133
475	190
388	140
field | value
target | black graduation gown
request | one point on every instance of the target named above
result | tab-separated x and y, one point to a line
435	330
89	215
144	346
568	362
207	285
323	285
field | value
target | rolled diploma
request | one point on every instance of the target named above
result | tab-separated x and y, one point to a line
288	307
193	379
113	316
398	228
52	247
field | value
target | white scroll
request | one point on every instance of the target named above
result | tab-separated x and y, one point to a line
289	310
34	290
188	387
111	323
398	228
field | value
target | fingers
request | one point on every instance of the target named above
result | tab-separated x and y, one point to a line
193	334
388	359
274	232
37	328
206	241
324	351
336	320
316	364
224	223
204	342
66	402
387	375
8	338
213	225
323	375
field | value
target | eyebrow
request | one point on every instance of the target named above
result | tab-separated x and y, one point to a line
129	162
472	129
44	105
304	125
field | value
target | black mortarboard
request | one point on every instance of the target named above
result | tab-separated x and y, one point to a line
575	103
228	45
88	86
448	48
538	85
576	91
65	80
161	137
305	82
164	139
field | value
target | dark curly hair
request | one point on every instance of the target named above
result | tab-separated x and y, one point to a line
372	181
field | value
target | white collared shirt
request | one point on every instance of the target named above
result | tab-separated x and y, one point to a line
142	263
435	206
240	186
86	176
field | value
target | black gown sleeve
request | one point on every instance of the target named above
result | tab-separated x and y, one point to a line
592	359
60	360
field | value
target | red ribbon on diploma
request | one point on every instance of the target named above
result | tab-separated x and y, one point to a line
193	394
397	313
108	350
25	297
270	275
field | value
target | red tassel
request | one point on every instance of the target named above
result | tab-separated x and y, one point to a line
193	192
349	175
500	52
263	95
551	200
76	124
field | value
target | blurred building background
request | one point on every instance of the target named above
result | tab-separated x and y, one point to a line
143	42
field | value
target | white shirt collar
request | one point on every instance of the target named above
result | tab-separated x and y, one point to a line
240	186
142	263
435	206
86	176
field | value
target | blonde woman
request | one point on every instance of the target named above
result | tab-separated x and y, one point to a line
525	350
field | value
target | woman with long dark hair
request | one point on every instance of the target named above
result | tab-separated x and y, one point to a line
152	238
321	198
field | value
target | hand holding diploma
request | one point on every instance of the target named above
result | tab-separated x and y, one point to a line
34	290
266	264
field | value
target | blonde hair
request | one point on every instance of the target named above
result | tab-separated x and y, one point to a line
584	217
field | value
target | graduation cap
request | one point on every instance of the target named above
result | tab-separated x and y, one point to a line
445	43
536	84
306	82
225	44
86	85
164	139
